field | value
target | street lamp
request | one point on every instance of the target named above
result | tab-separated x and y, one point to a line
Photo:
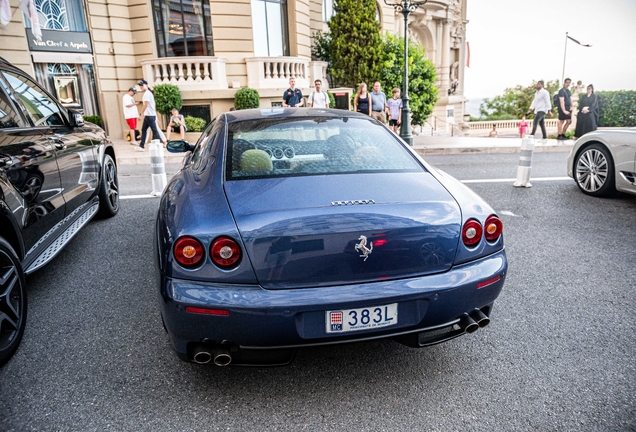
406	7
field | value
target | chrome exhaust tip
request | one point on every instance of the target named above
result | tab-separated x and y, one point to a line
222	359
468	324
202	357
480	318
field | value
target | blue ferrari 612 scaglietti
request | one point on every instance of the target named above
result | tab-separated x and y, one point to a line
289	228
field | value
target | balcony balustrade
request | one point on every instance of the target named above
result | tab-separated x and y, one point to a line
187	73
274	72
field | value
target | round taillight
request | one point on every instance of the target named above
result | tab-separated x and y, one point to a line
188	251
471	233
225	252
493	228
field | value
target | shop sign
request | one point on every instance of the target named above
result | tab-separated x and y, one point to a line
60	41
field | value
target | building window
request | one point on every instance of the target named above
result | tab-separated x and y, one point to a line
65	15
327	10
184	28
269	23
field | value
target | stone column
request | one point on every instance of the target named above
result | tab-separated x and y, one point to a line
445	65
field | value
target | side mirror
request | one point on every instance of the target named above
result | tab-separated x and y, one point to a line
179	146
76	119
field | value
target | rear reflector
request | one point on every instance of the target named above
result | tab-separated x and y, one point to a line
204	311
488	282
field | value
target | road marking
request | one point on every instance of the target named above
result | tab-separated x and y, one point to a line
512	180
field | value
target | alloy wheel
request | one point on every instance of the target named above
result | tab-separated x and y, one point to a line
112	186
12	303
592	170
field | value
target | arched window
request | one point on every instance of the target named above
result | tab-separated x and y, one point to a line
184	27
270	29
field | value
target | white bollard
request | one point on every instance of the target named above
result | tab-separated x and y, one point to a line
158	168
525	162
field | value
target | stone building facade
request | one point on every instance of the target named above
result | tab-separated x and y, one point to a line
92	51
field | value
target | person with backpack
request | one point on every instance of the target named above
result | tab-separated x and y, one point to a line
318	98
541	106
564	107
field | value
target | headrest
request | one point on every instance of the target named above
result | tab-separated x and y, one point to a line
255	160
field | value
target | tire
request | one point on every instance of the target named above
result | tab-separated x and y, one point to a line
13	302
594	171
108	189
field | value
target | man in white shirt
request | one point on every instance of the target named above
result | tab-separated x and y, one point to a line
131	113
150	116
542	106
318	98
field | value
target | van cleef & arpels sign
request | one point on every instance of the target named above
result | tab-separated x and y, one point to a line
60	41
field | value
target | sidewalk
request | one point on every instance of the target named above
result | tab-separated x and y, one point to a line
424	145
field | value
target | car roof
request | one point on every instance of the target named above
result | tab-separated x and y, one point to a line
281	112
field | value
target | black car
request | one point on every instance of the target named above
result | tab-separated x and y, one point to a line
56	173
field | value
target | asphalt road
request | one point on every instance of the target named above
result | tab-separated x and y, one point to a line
558	354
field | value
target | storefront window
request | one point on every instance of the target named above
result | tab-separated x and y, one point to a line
184	28
65	15
269	23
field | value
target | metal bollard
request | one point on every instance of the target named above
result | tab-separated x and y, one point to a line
158	168
525	162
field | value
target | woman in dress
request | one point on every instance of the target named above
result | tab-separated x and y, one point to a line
587	118
361	102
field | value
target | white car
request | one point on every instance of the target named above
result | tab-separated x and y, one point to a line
604	161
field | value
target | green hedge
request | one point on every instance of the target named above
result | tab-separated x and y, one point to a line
246	98
617	108
194	124
95	119
167	97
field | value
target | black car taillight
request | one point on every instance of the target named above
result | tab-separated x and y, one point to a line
225	252
493	228
188	251
471	233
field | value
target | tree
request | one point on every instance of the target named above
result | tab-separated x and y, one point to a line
355	48
422	76
515	102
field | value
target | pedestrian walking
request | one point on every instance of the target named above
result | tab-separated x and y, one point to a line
378	103
564	108
523	126
131	113
541	106
149	113
361	100
587	118
318	98
395	110
176	124
293	97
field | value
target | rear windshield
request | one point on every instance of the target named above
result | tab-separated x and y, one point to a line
294	147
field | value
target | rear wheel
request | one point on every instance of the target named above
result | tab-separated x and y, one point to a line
109	189
594	171
13	302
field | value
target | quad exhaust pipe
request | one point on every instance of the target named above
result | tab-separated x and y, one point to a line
205	355
470	323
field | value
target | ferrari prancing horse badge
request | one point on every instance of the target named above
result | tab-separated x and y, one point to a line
362	247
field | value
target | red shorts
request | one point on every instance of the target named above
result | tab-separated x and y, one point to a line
132	122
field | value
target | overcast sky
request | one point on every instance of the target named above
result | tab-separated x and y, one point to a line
514	42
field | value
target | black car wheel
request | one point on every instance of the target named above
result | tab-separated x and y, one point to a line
13	302
109	189
594	171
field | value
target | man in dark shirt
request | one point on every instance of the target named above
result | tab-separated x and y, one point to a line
564	108
292	97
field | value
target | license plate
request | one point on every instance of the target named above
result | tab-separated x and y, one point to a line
361	319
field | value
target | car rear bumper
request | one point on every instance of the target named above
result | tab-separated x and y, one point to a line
262	319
